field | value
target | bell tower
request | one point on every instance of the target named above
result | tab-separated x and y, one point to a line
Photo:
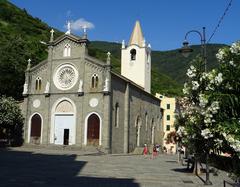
136	59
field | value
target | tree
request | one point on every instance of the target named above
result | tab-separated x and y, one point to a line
11	121
211	117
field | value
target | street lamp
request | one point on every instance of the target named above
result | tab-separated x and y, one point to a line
186	50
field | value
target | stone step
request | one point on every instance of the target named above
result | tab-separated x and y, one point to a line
64	147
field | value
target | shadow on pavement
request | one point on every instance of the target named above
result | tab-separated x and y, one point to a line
183	170
171	161
34	169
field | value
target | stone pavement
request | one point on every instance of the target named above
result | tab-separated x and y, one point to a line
57	168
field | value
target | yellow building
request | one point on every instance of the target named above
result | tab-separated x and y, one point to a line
168	106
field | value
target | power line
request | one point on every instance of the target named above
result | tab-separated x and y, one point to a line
220	20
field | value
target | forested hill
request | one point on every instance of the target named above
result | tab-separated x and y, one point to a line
168	67
20	34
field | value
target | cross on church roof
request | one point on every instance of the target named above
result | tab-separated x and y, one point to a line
29	64
108	57
51	38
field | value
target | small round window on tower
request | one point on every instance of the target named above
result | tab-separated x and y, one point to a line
133	54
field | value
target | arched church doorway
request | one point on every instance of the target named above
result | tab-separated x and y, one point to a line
36	127
93	130
64	124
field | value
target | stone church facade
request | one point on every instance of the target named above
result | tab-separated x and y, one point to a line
74	99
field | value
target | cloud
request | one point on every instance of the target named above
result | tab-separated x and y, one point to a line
69	14
79	24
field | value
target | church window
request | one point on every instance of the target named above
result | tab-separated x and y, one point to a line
168	106
133	54
38	84
67	50
168	117
117	115
94	81
168	127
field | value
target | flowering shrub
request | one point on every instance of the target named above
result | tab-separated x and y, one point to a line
11	121
210	110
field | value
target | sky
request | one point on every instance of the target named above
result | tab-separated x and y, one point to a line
164	22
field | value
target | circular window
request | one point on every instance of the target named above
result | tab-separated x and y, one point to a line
65	77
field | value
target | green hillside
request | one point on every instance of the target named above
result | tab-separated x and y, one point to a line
175	65
168	67
161	82
20	34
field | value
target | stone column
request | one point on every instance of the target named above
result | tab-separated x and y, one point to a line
107	91
25	108
126	119
48	100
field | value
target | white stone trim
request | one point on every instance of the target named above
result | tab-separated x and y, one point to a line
138	125
60	67
29	127
67	50
53	113
86	126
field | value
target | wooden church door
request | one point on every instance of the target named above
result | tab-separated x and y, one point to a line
93	130
36	125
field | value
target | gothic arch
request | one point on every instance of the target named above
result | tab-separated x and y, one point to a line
133	54
38	83
86	128
138	124
67	50
94	81
63	107
152	131
36	121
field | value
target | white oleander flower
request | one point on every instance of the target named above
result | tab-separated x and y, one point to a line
193	119
203	76
191	72
202	100
232	63
209	87
181	131
206	134
218	79
207	121
220	55
195	85
235	144
186	89
214	107
235	48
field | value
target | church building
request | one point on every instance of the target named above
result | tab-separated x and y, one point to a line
73	99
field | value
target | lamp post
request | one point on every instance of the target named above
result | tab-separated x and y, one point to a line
186	50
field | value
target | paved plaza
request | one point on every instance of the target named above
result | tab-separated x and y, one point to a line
56	168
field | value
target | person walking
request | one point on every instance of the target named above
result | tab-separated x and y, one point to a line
154	152
145	150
